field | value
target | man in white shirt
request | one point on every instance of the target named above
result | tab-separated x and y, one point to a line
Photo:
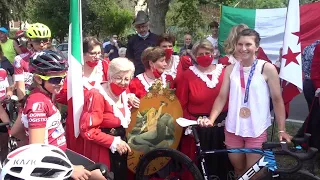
214	26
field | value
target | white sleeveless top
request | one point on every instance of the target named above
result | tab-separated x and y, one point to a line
258	103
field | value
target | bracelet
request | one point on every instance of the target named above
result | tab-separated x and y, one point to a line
282	131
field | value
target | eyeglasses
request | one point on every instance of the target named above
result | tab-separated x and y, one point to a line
120	79
53	79
115	37
40	40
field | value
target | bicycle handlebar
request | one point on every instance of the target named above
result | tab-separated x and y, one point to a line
103	168
298	156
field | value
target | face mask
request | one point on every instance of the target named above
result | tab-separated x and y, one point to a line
92	63
156	73
168	52
115	41
205	60
116	89
146	35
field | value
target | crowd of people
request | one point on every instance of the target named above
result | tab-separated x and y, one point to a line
236	90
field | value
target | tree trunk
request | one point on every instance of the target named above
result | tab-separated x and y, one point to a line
157	13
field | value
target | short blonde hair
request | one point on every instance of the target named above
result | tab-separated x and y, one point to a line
229	44
205	44
118	65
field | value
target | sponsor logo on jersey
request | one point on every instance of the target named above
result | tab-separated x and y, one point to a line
38	107
31	115
56	133
38	119
61	140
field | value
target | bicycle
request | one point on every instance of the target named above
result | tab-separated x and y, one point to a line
267	161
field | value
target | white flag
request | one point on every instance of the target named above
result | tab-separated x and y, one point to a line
291	67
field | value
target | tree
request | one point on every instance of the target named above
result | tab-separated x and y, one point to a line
11	10
259	4
109	16
157	10
54	14
98	16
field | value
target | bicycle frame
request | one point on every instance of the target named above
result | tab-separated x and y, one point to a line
267	160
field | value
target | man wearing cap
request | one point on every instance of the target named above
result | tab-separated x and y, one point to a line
9	47
140	41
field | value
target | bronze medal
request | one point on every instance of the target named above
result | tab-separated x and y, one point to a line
244	112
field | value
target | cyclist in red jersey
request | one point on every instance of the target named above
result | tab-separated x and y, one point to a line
4	85
40	117
38	36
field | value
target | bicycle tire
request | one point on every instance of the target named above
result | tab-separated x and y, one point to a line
173	154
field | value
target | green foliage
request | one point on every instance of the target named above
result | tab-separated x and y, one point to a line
259	4
188	16
12	9
111	18
98	16
54	14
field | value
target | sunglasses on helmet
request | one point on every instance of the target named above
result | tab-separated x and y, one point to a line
53	79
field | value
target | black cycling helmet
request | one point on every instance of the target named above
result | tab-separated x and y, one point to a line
47	61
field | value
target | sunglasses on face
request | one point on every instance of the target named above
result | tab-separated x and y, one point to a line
53	79
39	41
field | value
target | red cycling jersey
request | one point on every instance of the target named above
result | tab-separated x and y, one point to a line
21	69
3	83
40	112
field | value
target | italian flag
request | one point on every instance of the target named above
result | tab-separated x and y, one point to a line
270	23
75	60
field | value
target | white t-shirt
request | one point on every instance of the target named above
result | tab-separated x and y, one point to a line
214	41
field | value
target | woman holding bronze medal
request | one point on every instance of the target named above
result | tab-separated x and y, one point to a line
248	84
197	89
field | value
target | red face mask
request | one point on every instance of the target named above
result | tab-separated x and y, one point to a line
168	52
156	73
92	63
116	89
205	60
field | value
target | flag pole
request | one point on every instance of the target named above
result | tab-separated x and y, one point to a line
281	80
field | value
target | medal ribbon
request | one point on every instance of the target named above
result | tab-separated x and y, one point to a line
243	87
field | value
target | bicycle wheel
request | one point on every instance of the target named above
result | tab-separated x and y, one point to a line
178	158
301	174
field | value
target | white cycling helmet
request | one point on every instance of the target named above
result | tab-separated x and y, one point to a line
37	162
